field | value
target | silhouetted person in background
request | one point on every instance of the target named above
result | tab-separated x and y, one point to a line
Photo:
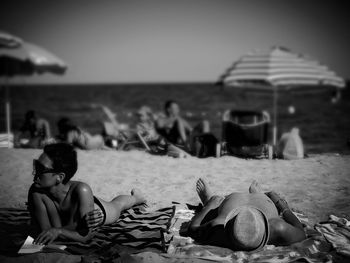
34	133
176	130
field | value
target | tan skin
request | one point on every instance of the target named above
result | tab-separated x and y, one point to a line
59	208
283	231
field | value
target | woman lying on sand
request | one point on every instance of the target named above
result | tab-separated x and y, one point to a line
59	207
244	221
72	134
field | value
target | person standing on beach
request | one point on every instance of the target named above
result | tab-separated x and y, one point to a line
64	209
244	221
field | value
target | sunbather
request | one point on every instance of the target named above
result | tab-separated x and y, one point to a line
60	207
72	134
34	133
145	125
177	130
244	221
156	144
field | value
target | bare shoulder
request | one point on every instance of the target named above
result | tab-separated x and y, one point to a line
80	188
276	219
161	120
277	224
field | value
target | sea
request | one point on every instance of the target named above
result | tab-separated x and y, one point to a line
324	125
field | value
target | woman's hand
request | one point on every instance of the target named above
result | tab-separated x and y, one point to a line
47	236
93	218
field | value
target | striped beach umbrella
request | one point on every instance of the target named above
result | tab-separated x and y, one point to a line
279	69
9	41
20	58
29	59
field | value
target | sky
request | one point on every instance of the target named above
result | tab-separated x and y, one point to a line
148	41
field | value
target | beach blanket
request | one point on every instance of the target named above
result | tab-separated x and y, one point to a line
136	245
314	249
136	230
337	231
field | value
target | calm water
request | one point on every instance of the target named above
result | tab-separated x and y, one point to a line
324	127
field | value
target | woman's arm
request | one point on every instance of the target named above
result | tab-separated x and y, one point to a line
47	129
42	210
78	230
200	231
283	233
287	229
50	235
291	219
284	210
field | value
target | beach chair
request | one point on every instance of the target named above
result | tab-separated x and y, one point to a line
123	139
119	135
134	142
245	134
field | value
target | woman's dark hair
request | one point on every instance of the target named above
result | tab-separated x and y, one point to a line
64	159
30	115
28	124
168	104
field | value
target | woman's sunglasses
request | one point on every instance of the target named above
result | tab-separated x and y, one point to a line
39	168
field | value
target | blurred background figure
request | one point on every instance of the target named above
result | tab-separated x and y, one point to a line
34	133
176	130
145	125
72	134
143	135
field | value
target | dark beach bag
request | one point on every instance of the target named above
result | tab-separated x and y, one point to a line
205	145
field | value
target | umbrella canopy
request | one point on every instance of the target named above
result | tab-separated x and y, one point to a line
9	41
277	69
28	59
20	58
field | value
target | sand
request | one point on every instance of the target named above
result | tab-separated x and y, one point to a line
317	186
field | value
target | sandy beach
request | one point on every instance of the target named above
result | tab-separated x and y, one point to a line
318	185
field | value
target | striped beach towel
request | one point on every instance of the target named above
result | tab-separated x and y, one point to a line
14	229
136	230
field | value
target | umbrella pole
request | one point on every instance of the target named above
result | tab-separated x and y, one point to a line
8	114
275	97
